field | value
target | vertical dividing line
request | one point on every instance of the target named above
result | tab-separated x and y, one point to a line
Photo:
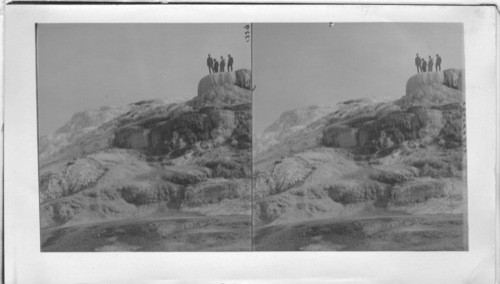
465	160
38	137
2	145
252	151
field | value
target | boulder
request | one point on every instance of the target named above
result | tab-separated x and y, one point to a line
451	78
144	193
83	173
431	122
242	132
454	78
353	191
241	78
339	136
453	130
211	81
223	122
434	88
229	166
224	89
220	96
393	176
212	191
58	213
431	95
396	127
244	79
131	137
290	172
418	191
52	185
269	209
286	174
418	81
70	178
184	130
184	176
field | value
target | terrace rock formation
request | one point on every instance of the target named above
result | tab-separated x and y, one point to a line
151	156
364	157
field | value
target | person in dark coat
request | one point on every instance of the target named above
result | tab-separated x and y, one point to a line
438	62
431	63
222	64
210	63
424	65
418	63
230	62
216	66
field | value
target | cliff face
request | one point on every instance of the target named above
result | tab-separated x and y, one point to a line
405	155
151	155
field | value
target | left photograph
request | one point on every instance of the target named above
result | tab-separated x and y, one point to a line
144	137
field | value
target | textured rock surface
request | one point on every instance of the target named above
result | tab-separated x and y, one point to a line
339	136
306	121
431	122
152	156
284	175
294	120
434	88
363	157
212	191
418	192
451	78
70	178
224	89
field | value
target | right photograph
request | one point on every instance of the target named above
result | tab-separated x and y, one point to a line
359	137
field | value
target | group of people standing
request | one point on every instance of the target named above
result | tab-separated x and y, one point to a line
424	66
214	66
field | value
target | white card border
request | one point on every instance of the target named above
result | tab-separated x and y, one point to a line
24	263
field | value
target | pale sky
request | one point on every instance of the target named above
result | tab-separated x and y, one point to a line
86	66
297	64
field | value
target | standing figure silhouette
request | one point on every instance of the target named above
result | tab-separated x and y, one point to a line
230	62
210	63
222	64
438	62
216	66
418	63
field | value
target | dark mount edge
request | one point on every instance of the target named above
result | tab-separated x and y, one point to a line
219	2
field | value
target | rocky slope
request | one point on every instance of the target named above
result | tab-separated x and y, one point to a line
368	158
288	123
166	156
